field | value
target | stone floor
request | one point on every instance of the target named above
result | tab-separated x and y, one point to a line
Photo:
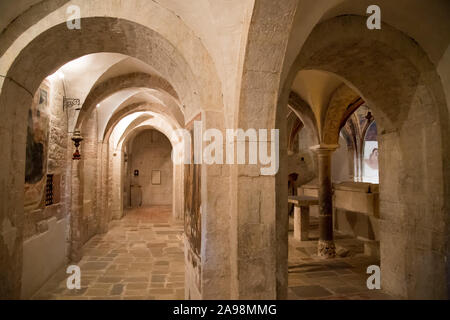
342	278
141	257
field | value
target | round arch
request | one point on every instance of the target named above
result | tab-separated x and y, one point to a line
143	123
304	112
333	118
408	101
125	37
110	86
125	110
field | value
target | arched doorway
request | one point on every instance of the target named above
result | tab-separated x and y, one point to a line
11	278
393	95
149	171
395	129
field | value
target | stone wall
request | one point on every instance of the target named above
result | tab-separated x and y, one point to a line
356	213
411	113
188	67
303	161
116	173
150	152
51	116
340	170
414	147
45	247
89	226
193	273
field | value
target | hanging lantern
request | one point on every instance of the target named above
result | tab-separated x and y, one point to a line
77	138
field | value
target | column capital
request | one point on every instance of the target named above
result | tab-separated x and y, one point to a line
324	148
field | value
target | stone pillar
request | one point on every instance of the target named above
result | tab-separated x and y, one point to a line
325	247
103	188
352	163
115	184
301	223
76	211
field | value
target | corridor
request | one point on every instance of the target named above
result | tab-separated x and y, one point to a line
141	257
216	120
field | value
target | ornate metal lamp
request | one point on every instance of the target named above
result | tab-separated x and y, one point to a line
70	102
369	116
77	138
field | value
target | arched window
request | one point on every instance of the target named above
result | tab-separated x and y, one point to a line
370	154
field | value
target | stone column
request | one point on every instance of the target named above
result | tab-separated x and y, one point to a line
326	247
352	170
103	188
76	211
301	223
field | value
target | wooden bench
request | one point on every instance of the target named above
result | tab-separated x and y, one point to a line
301	215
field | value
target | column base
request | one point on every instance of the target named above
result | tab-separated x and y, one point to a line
326	249
301	223
372	248
75	252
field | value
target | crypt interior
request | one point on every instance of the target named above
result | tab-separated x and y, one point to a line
97	110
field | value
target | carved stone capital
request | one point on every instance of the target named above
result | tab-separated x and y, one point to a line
326	249
325	149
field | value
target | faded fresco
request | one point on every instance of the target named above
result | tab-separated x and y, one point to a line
37	147
370	169
192	209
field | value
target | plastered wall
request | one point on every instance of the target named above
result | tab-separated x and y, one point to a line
151	152
45	245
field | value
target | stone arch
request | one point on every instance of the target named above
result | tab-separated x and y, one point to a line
146	122
193	75
132	108
134	130
303	111
157	123
294	130
410	62
194	65
333	116
263	273
17	89
27	19
110	86
408	101
114	156
351	110
123	41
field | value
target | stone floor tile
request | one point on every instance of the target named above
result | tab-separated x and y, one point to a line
141	257
121	264
310	291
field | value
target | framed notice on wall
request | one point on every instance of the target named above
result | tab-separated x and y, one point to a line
156	177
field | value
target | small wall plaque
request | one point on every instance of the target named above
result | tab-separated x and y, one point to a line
156	177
